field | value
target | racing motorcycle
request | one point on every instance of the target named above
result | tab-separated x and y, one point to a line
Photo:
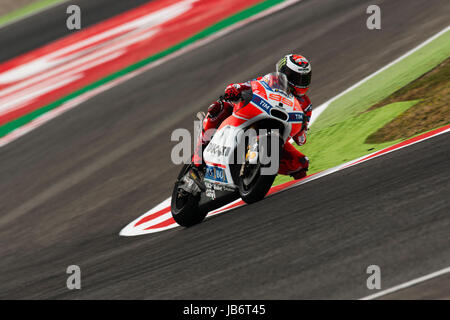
242	158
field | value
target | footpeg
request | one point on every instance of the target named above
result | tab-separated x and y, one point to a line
195	175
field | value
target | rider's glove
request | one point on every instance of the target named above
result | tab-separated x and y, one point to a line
233	92
220	109
215	108
300	138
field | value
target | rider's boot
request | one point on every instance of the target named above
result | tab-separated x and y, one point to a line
196	173
198	166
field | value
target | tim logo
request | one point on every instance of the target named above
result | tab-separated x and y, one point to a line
259	102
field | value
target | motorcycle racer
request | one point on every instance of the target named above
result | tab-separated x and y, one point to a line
294	163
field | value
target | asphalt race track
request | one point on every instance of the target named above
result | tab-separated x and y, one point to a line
69	187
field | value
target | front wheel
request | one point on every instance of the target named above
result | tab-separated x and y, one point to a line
252	184
184	206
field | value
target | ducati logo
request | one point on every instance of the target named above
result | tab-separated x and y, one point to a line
218	150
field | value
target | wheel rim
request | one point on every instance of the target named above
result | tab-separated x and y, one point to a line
249	180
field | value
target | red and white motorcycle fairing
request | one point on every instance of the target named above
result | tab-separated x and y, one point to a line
268	101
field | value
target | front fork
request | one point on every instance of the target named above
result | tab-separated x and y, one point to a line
251	155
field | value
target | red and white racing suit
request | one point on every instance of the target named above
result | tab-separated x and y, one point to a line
292	162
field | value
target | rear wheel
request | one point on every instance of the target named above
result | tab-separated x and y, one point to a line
184	205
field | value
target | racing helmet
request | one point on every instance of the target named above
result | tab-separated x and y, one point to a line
298	72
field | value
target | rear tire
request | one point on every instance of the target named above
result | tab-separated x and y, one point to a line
184	206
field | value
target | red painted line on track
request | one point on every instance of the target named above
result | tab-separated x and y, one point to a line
163	224
153	216
231	206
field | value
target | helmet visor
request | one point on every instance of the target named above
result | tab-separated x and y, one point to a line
301	80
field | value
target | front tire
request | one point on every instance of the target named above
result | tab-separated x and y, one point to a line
253	186
258	190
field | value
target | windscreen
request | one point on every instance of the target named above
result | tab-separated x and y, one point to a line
277	81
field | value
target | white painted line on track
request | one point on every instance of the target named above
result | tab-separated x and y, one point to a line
407	284
318	111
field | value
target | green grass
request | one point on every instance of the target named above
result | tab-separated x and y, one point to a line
345	141
339	134
19	13
385	83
